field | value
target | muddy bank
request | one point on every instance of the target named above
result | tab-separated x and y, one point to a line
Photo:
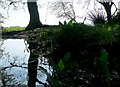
15	35
25	33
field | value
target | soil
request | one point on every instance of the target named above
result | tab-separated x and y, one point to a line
22	34
15	35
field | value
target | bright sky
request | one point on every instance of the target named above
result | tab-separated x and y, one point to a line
20	17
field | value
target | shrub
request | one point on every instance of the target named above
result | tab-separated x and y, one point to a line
88	51
116	18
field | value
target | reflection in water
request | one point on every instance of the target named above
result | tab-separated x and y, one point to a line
13	60
14	55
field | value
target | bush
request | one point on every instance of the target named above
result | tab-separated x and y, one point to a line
116	18
80	54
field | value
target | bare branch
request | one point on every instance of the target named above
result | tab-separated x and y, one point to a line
115	9
64	10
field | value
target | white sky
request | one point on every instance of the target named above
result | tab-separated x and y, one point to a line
20	17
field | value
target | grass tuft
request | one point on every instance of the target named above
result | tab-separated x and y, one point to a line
11	29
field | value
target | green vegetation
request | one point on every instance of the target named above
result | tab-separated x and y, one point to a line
80	55
12	29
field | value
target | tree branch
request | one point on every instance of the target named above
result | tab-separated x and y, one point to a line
115	9
45	85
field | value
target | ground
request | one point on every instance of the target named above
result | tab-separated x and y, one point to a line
19	32
15	34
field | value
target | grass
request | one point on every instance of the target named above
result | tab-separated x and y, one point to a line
11	29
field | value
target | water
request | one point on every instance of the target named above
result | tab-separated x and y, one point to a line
14	55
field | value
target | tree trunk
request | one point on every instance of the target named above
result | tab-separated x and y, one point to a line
32	70
107	6
34	16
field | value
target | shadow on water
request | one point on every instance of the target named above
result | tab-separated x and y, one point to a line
14	66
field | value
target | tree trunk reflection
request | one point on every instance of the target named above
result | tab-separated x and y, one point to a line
32	70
